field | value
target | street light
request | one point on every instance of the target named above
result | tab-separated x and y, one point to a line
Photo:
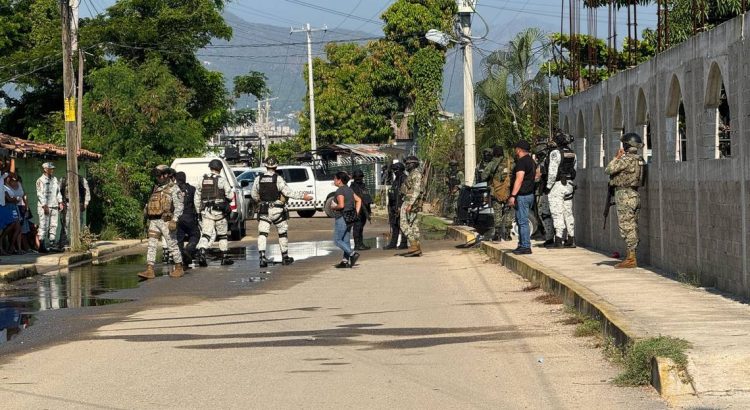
443	39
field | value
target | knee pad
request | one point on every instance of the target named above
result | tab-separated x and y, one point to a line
283	235
207	237
263	234
154	235
221	237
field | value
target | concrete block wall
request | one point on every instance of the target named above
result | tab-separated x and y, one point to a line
694	214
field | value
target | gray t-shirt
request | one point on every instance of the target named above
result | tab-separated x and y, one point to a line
348	194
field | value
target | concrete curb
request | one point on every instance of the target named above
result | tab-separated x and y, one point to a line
672	384
63	261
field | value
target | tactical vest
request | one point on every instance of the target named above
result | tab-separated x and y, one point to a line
268	188
632	176
160	202
210	192
567	168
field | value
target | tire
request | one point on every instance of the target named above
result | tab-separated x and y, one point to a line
236	233
533	226
307	213
327	209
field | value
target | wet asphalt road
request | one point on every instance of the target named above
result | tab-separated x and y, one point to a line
59	307
447	330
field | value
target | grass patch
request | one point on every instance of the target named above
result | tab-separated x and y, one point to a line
549	299
690	279
588	327
638	358
433	223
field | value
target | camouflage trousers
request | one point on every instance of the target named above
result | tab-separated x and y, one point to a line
562	208
451	205
47	224
214	227
410	224
277	217
546	215
157	229
628	206
504	217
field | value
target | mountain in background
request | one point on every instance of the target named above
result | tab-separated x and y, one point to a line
265	48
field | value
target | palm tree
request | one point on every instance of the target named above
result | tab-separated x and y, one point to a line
512	97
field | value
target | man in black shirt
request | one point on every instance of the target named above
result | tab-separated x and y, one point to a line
522	195
188	228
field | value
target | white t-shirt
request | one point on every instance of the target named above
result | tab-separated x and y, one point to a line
16	193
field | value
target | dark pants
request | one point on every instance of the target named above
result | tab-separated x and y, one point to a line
394	221
359	228
188	230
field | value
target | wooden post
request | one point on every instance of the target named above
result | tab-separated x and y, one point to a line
71	132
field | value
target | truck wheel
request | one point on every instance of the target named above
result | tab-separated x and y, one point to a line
327	208
533	226
236	233
307	213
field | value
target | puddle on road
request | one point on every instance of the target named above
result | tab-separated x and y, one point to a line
87	285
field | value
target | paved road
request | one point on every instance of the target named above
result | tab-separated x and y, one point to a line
447	330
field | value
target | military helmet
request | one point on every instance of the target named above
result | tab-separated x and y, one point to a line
487	151
215	164
562	139
411	159
271	162
497	151
632	139
160	170
399	166
358	174
453	163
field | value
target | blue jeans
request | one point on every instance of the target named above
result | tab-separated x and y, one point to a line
524	203
342	236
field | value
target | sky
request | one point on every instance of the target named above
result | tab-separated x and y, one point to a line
504	17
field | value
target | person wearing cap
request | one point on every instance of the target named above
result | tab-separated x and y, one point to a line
522	194
49	204
271	192
163	209
212	200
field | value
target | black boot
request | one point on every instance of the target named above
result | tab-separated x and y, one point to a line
570	242
226	260
286	259
360	246
391	245
404	243
202	262
549	243
263	260
558	243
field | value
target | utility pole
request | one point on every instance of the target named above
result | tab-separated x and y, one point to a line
311	90
76	48
71	132
262	123
465	10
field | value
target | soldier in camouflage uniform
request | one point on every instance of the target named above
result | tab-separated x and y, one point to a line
411	191
163	209
212	200
453	180
625	173
496	174
562	165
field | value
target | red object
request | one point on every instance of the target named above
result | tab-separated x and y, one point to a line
616	255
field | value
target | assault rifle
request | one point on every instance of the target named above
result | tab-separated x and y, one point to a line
608	204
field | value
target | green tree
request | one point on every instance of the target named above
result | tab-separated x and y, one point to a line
365	93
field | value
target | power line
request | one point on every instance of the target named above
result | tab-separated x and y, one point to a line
331	11
351	13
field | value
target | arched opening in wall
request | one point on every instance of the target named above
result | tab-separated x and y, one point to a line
598	134
581	131
618	124
718	117
643	124
676	129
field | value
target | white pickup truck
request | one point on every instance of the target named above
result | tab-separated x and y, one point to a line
306	179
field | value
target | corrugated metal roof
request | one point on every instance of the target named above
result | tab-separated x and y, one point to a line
22	147
371	151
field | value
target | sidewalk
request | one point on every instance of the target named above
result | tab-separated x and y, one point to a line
14	267
640	303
